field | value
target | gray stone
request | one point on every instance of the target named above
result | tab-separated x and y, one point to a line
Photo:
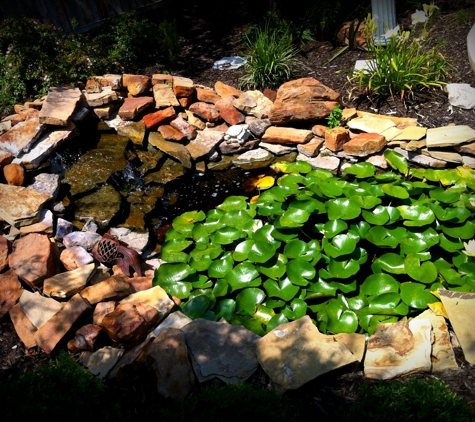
278	149
205	143
174	149
174	320
259	154
448	136
421	159
37	308
321	162
46	183
461	95
134	240
63	228
85	239
101	361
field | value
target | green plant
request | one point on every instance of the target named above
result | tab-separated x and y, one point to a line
169	39
350	252
406	62
272	59
394	401
59	388
334	118
233	403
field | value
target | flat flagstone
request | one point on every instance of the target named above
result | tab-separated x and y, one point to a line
451	157
411	133
321	162
205	143
101	361
370	124
68	283
448	136
460	308
59	106
175	149
423	160
98	99
37	308
21	137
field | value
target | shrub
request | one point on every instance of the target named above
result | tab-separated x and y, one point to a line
406	62
425	401
334	118
58	389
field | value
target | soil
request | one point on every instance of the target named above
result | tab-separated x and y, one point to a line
206	37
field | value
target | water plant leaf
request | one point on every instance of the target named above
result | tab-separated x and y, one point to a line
284	289
225	309
172	250
391	263
341	319
220	267
453	215
226	235
196	307
300	271
274	268
370	322
243	275
449	243
241	252
169	276
377	284
184	223
276	320
342	208
342	268
387	304
361	170
383	237
395	191
294	217
261	252
425	273
341	244
248	299
378	216
265	182
296	310
463	231
201	264
332	228
416	295
220	288
416	215
238	219
233	203
294	248
397	161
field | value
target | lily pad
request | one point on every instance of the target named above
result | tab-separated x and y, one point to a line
248	299
425	273
416	295
284	289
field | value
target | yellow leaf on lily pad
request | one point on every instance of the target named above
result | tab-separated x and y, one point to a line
254	199
279	167
438	309
265	183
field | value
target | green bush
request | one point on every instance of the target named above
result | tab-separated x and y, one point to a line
350	252
422	401
232	403
273	58
60	389
407	62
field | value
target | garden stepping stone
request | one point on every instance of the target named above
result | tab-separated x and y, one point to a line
448	136
460	308
164	96
392	133
442	355
400	122
296	352
451	157
204	144
101	361
399	348
221	350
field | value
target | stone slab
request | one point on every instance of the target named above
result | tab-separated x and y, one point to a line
448	136
21	137
59	106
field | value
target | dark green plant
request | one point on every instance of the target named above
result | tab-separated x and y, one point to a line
233	403
169	39
424	401
334	118
351	252
58	389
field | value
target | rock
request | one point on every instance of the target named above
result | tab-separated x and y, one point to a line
101	310
113	81
468	161
164	96
10	291
466	149
205	111
14	174
46	183
442	355
448	136
167	358
140	284
184	127
303	100
75	257
224	90
461	311
38	309
365	144
185	102
207	95
23	326
370	124
169	133
270	93
356	343
278	149
132	107
59	106
85	338
336	138
32	259
5	158
136	84
296	352
169	171
5	126
195	121
134	240
174	320
68	283
311	148
451	157
397	349
237	133
228	112
415	145
135	131
286	135
5	250
400	122
174	149
321	162
21	137
131	361
378	161
183	87
129	322
257	126
254	103
461	95
93	86
421	159
155	297
411	133
220	350
162	78
44	225
101	361
84	239
253	156
204	144
160	117
107	290
106	96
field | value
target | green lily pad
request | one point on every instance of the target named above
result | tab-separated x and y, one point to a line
391	263
243	275
284	289
361	229
342	268
169	276
239	219
201	264
241	252
261	252
232	203
274	268
449	243
397	161
377	284
185	222
220	288
276	320
395	191
378	216
225	309
416	215
464	231
425	273
387	304
248	299
332	228
369	322
296	310
341	319
300	271
307	204
319	289
196	307
329	190
342	208
220	267
294	217
341	244
294	248
366	202
226	235
361	170
452	215
172	250
383	237
268	209
416	295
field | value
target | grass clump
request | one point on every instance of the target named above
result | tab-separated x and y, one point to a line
416	400
60	389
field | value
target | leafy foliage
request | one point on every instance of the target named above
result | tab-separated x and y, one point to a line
415	400
335	117
350	252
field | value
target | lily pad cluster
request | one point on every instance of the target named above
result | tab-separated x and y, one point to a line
349	251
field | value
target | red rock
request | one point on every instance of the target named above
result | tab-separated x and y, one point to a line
58	326
26	112
136	84
365	144
75	257
224	90
32	259
160	117
14	174
183	87
319	130
140	283
185	102
336	138
286	135
270	93
184	127
171	134
23	326
207	95
129	322
206	111
223	127
5	158
93	86
5	250
85	338
228	112
101	310
14	118
132	107
303	100
10	291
